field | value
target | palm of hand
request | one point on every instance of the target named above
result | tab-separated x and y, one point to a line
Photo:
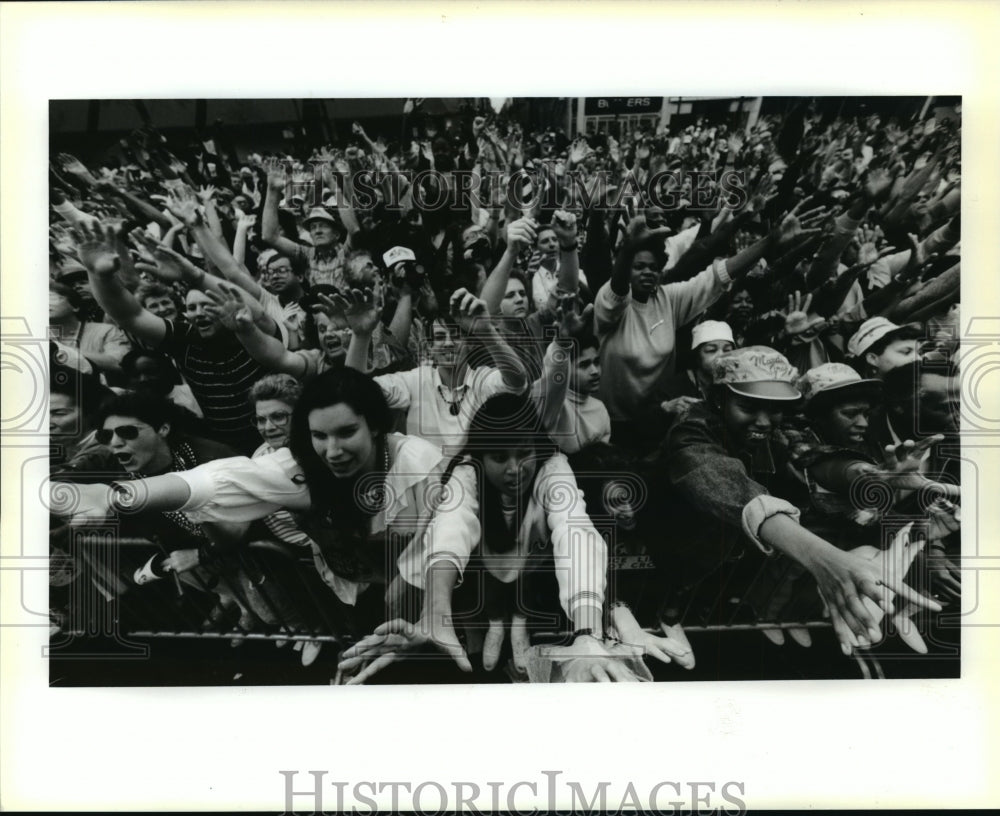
168	267
362	319
99	256
234	314
796	322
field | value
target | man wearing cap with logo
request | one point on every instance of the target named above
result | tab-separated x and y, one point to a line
325	258
880	345
719	461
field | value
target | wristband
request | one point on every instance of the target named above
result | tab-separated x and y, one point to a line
571	248
587	632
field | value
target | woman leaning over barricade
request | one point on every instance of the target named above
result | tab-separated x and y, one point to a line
368	498
541	566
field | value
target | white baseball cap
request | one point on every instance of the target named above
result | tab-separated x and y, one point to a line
396	255
711	331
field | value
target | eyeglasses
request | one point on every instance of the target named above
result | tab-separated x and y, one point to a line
124	432
278	419
273	271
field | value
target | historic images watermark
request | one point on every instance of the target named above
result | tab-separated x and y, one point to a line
432	189
318	793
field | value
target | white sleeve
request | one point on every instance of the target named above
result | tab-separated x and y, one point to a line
399	387
608	309
539	294
580	553
680	243
690	298
454	530
241	489
274	310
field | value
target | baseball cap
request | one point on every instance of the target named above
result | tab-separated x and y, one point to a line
70	269
711	331
873	330
818	385
756	371
320	214
396	255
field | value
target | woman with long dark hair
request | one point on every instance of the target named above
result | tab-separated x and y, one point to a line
367	497
542	566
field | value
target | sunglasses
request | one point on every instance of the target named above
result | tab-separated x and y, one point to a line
125	432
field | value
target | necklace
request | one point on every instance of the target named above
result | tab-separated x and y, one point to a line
453	404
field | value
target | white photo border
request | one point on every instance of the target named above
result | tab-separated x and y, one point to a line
889	744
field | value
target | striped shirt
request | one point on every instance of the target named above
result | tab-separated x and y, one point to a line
220	373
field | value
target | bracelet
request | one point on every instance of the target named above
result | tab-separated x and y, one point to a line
587	632
571	248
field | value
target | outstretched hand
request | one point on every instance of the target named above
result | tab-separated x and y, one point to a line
97	246
163	262
360	308
521	234
229	306
396	639
858	590
470	312
570	322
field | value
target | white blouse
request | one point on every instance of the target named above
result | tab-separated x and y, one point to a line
556	511
429	403
444	524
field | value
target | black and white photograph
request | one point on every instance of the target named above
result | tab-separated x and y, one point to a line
621	437
501	390
504	389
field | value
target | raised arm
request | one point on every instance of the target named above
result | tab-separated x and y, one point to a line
98	253
269	228
471	315
564	224
549	391
520	234
233	310
243	227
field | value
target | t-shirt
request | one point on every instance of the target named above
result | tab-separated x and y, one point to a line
638	340
220	373
582	421
429	402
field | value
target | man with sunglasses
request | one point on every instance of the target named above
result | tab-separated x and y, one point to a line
144	433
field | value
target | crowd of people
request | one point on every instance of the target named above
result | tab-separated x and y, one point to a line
529	428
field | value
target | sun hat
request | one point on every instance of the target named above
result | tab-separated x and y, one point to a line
320	214
873	330
822	384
